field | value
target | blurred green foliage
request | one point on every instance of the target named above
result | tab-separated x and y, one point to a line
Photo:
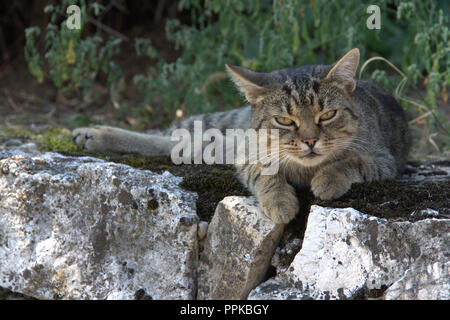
69	60
262	35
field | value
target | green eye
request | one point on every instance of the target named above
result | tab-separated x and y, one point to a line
328	115
284	121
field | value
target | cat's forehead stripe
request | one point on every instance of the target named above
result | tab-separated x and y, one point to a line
311	98
315	86
302	92
292	104
287	88
321	104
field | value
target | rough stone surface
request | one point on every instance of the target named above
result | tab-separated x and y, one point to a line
82	228
345	254
279	288
238	247
422	282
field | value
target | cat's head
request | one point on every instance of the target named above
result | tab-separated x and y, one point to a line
311	106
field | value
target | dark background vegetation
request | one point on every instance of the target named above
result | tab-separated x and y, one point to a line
143	64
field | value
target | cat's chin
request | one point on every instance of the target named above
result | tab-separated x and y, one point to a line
310	160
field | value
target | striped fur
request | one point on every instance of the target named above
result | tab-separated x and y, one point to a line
367	138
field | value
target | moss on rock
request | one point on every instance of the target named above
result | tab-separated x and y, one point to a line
16	133
57	140
393	199
211	182
212	185
54	139
390	199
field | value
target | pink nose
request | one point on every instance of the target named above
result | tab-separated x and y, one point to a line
310	141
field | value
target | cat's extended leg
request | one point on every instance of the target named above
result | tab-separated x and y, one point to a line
110	139
276	197
335	179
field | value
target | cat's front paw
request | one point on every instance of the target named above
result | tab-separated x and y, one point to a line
92	138
279	207
330	186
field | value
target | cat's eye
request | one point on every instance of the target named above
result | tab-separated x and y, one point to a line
328	115
284	121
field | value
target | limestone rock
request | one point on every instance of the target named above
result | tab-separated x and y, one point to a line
279	288
239	245
345	254
82	228
422	282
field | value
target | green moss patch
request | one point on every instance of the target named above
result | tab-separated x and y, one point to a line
212	185
54	139
57	140
16	133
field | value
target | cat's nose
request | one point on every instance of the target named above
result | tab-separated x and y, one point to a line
310	142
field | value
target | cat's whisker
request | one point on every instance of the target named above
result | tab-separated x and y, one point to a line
256	157
347	145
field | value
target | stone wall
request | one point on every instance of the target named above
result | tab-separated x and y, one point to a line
84	228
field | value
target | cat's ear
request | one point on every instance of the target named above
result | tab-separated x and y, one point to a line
344	70
249	82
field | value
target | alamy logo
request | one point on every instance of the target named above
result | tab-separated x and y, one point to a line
74	19
236	146
374	20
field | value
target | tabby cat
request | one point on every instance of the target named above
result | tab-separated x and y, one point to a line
333	131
